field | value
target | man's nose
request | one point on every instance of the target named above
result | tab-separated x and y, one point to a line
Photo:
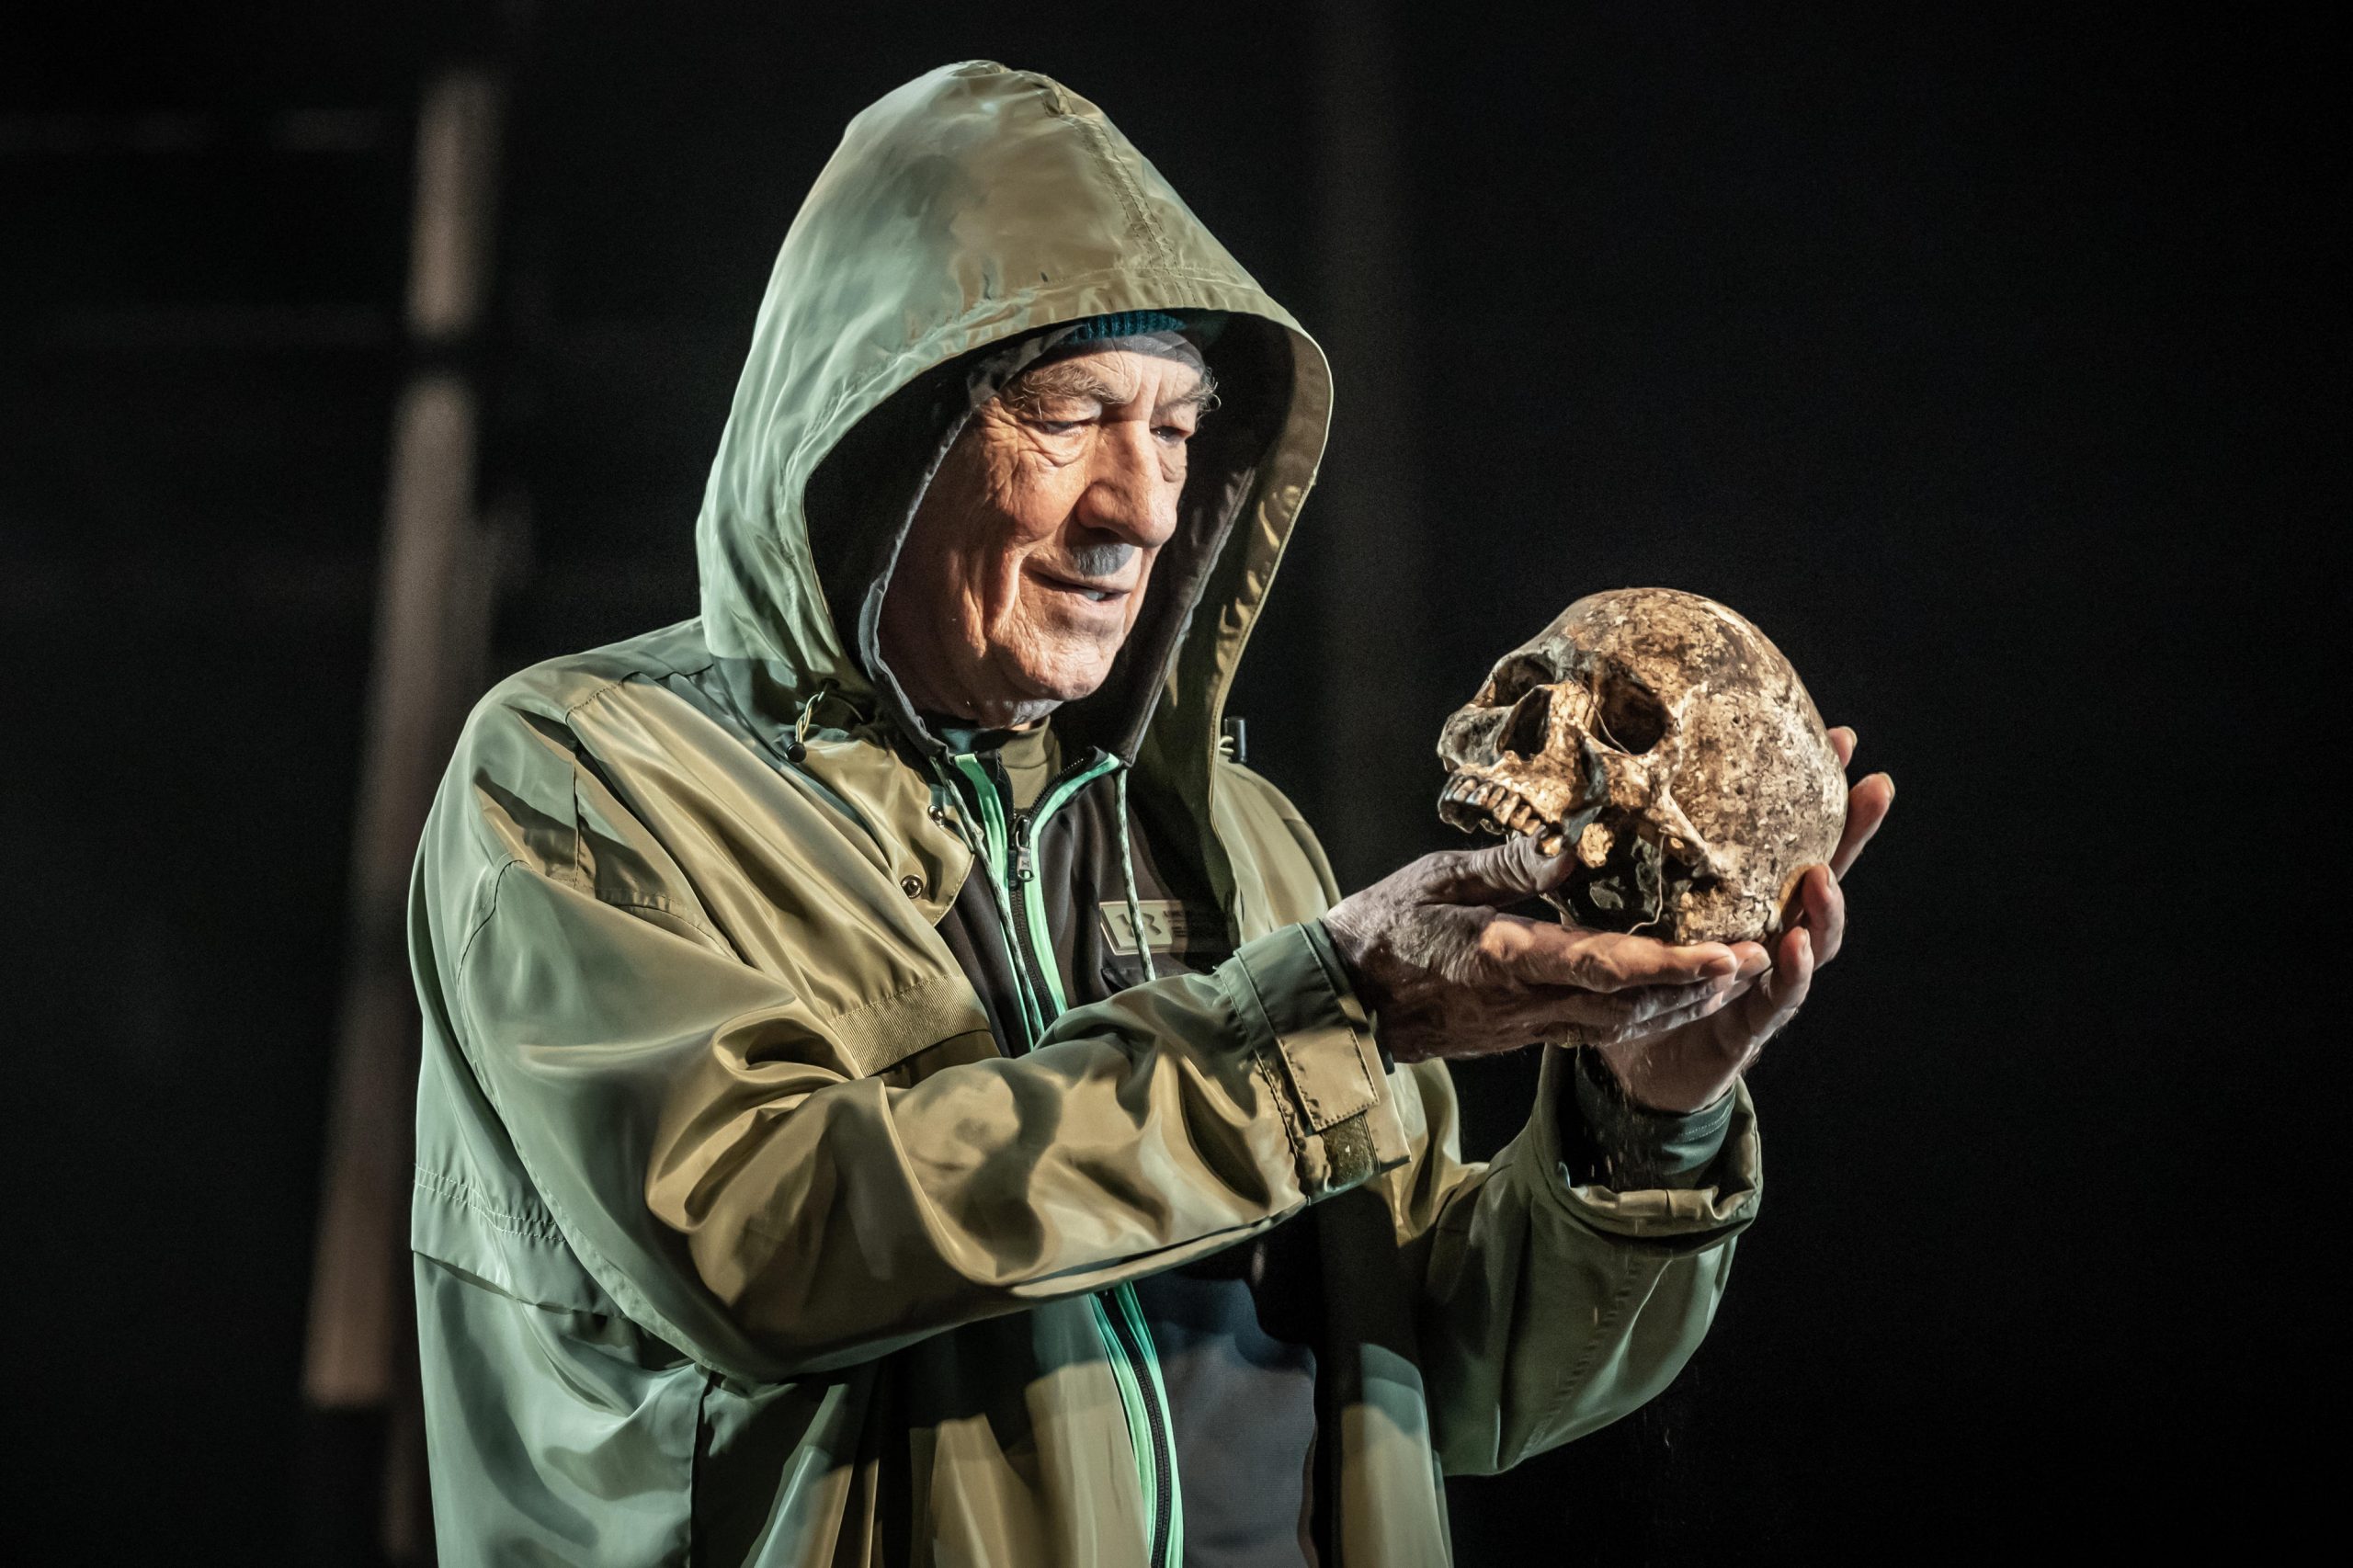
1126	493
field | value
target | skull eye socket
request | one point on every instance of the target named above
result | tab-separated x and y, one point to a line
1631	717
1516	677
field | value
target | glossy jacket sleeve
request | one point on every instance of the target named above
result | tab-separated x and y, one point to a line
1551	1304
772	1214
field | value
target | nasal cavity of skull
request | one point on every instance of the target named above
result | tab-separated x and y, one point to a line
1632	717
1528	725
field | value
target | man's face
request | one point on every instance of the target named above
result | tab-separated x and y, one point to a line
1026	565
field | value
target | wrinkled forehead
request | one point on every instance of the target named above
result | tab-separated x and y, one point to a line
1118	373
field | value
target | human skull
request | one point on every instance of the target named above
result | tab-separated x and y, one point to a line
1671	744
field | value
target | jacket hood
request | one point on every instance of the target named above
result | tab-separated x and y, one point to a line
973	207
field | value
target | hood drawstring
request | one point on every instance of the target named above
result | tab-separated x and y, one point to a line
797	748
1127	877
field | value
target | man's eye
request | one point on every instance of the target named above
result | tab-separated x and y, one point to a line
1173	434
1056	427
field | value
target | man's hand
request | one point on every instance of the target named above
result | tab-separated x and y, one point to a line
1692	1065
1449	973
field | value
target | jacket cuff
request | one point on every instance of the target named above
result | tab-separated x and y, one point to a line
1313	1041
1717	1202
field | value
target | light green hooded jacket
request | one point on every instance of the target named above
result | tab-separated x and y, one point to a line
737	1240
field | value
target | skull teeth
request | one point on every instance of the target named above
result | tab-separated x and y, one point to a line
1501	809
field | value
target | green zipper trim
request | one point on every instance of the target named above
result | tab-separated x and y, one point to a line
1123	1372
1033	897
997	861
1133	1310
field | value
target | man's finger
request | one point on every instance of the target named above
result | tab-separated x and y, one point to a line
1539	953
1775	999
1824	905
1690	1012
1571	1013
1868	804
1501	873
1842	741
1633	1013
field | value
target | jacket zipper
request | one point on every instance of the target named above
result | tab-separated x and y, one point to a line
1029	942
1133	1336
1011	865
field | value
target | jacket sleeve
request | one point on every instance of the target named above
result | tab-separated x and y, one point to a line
685	1118
1549	1306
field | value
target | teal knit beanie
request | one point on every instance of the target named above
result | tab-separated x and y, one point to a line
1123	323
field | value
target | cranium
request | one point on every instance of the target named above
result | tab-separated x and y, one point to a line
1672	745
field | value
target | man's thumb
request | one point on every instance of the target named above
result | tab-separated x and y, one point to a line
1509	871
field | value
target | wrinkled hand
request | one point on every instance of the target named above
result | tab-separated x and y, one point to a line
1447	973
1691	1064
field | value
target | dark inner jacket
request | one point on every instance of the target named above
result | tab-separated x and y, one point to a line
1234	1332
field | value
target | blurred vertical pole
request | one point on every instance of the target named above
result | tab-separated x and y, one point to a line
1375	585
432	621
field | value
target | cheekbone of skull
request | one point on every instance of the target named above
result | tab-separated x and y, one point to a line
1669	743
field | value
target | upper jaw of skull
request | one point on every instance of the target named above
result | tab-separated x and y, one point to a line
1525	766
1548	765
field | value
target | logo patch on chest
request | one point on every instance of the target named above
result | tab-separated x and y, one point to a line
1166	926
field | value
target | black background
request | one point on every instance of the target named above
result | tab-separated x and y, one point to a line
1995	363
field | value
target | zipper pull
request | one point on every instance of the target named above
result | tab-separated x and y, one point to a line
1021	869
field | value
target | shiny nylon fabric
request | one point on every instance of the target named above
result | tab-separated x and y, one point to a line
737	1241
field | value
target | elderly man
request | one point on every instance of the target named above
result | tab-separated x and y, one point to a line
894	1092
